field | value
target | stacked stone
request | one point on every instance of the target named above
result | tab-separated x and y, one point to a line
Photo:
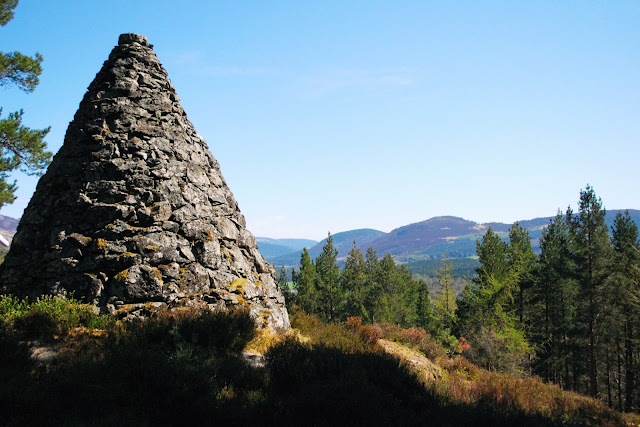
133	212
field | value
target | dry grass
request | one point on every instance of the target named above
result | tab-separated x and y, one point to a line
416	361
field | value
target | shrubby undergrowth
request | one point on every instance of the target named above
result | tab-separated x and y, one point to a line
187	367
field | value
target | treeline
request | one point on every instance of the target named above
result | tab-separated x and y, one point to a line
571	314
375	289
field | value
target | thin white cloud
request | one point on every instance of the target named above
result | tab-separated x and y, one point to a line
197	63
349	78
227	71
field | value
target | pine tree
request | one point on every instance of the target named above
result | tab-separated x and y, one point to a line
445	304
424	312
283	283
374	288
592	248
522	262
330	294
626	293
554	295
354	283
22	148
306	284
492	254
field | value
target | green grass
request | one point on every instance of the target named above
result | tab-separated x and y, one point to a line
47	316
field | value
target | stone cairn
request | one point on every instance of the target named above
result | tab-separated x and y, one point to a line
133	213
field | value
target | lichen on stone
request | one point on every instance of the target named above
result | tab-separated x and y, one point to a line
135	189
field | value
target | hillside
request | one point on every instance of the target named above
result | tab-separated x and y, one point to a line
456	237
8	226
272	248
418	237
343	242
425	240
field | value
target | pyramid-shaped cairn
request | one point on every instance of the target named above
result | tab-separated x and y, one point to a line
133	211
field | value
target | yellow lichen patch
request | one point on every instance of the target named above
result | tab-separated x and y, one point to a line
83	240
264	316
151	248
237	285
228	255
122	276
210	236
156	273
102	244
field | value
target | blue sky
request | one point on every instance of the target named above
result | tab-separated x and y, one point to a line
333	115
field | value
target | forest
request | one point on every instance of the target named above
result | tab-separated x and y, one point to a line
569	314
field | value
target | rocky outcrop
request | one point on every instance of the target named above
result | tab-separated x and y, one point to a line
133	212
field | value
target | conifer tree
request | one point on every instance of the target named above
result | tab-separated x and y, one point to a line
445	304
283	283
354	283
306	283
626	293
424	312
486	320
554	296
522	262
22	148
592	250
374	288
330	294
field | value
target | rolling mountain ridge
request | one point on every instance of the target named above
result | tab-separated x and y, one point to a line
430	239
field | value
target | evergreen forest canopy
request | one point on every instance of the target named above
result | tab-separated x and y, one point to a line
569	314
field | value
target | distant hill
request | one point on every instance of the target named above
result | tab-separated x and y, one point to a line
8	227
456	237
272	248
418	237
343	242
425	240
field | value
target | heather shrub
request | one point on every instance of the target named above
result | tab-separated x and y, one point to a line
332	335
321	385
416	338
188	330
47	316
174	368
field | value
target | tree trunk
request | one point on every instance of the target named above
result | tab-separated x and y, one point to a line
629	366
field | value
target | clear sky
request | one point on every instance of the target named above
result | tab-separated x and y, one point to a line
337	115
